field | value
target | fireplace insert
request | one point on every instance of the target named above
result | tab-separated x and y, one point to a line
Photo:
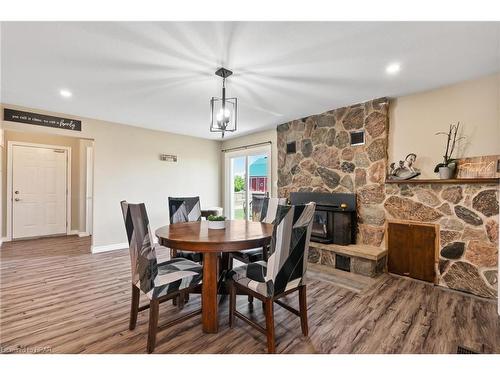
335	216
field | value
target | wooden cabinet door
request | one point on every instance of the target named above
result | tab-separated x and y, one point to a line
398	245
411	250
422	252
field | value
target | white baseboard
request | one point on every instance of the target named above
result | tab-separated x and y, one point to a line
73	232
111	247
83	234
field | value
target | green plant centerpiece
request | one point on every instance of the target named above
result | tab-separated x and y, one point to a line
216	222
216	218
446	169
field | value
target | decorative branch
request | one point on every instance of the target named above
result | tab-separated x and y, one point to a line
451	142
454	138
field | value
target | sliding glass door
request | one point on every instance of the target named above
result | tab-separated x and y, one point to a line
247	174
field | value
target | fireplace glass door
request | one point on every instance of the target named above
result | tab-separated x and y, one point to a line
320	228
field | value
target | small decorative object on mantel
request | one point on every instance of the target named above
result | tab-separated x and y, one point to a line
216	222
404	169
479	167
446	169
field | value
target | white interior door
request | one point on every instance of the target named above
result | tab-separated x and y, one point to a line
39	191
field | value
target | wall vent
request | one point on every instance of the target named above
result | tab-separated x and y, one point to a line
358	138
291	147
464	350
342	263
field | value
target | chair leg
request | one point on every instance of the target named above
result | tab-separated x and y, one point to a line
181	298
153	324
265	253
271	344
232	303
250	299
134	307
303	310
173	254
175	300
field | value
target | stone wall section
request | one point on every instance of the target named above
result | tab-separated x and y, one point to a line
467	215
326	162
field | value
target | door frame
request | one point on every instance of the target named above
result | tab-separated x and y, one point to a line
267	149
10	170
89	187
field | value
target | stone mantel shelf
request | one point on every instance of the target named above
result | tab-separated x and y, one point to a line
445	181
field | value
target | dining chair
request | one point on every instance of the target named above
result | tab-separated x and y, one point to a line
158	281
282	274
182	210
263	210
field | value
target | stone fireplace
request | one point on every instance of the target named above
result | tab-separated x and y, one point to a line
325	160
325	153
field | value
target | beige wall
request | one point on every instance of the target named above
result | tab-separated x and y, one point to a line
76	164
415	119
265	136
127	166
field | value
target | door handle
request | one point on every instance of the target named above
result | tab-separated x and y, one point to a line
17	199
16	192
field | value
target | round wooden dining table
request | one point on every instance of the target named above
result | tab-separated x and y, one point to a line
195	236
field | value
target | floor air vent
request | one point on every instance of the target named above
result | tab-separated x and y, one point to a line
342	263
464	350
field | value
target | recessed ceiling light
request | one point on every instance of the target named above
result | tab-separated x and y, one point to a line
65	93
393	68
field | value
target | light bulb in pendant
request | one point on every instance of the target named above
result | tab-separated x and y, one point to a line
223	116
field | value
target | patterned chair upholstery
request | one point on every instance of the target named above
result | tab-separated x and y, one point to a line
182	210
159	281
153	279
282	274
287	262
264	210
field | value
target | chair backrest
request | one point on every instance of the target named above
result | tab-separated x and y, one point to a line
264	208
184	209
287	261
142	252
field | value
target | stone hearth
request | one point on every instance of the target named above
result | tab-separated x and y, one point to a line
364	260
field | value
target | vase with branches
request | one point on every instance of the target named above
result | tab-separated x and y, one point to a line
447	167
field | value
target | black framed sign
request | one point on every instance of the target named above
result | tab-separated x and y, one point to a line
41	120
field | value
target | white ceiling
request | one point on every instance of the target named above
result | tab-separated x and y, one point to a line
160	75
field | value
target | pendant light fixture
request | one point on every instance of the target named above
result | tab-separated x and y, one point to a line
223	111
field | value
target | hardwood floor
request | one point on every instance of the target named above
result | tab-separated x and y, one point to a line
56	297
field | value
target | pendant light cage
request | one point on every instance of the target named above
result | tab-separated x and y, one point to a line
223	111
